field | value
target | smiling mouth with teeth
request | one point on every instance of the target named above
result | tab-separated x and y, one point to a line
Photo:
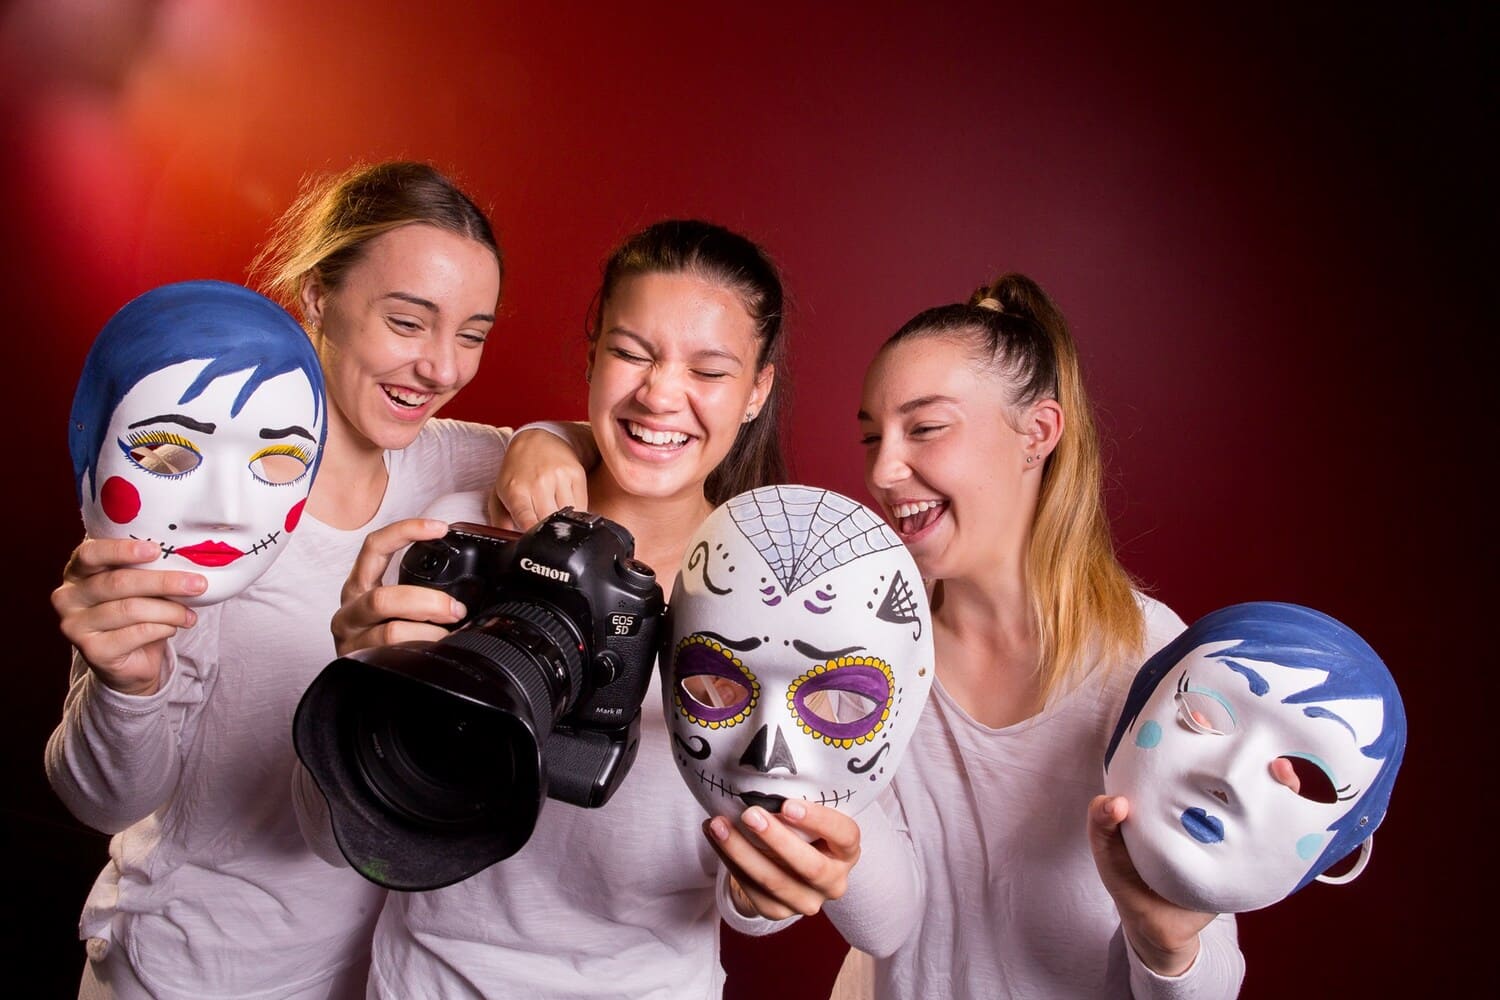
912	516
406	397
657	439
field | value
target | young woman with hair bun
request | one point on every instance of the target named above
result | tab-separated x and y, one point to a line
1001	871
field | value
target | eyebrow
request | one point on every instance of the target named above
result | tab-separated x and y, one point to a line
914	404
431	306
175	418
1258	685
814	653
741	645
281	432
1319	712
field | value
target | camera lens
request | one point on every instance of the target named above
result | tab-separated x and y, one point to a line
433	760
430	753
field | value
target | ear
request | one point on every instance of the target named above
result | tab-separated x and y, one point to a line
1043	428
314	296
764	380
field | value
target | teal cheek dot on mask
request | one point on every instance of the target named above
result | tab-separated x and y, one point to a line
1307	847
1149	735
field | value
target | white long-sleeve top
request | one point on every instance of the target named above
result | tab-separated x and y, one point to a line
210	889
976	879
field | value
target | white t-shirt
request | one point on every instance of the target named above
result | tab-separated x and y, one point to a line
210	890
976	879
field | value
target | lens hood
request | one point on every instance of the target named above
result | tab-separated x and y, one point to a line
432	771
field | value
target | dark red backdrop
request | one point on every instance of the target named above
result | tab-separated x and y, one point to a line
1265	228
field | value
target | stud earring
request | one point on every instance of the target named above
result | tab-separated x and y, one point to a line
749	416
1030	459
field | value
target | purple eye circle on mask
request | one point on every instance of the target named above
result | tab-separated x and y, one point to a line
712	687
844	701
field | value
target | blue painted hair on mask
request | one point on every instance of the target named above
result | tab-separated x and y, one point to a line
1304	639
232	327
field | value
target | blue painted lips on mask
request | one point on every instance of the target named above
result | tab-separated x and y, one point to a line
1202	827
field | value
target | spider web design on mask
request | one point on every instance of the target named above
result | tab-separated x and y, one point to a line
803	533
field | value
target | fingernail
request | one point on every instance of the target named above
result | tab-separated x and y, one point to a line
457	609
192	618
755	818
794	809
718	828
195	584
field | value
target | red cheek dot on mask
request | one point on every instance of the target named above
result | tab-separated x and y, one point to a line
294	515
119	500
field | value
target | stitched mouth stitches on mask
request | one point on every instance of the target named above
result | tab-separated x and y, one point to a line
271	538
832	799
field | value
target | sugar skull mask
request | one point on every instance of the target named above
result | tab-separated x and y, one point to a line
800	653
1212	826
198	423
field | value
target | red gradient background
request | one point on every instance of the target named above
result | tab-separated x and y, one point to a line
1265	228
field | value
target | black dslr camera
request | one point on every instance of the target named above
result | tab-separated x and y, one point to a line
435	757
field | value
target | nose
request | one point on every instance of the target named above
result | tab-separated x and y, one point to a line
886	465
438	365
765	754
219	503
661	389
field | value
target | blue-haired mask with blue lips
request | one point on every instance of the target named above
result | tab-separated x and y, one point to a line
1215	823
198	424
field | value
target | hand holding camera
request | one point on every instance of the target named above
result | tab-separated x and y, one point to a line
373	614
435	756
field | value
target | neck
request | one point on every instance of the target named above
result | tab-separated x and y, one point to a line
661	526
351	477
990	610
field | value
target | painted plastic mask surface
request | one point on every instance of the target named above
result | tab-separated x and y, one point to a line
197	424
800	653
1211	827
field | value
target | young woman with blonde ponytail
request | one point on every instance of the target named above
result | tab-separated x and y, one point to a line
982	453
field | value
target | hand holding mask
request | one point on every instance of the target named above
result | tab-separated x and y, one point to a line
1257	750
800	653
197	424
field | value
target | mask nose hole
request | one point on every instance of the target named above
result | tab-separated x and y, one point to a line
765	754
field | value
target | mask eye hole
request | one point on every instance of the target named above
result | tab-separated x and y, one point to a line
713	688
844	701
280	465
1204	711
161	453
1312	780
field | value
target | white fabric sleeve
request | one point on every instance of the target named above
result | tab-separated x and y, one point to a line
735	920
467	457
883	904
1216	972
116	758
577	433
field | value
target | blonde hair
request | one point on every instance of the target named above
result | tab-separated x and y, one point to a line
1082	600
326	230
